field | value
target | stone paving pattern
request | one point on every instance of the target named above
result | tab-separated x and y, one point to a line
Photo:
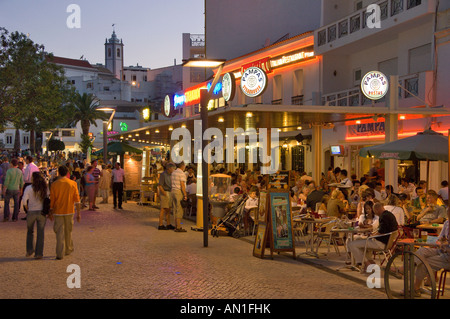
122	254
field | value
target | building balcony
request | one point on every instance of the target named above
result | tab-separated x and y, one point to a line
395	15
413	88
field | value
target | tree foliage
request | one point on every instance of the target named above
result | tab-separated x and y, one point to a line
34	93
85	111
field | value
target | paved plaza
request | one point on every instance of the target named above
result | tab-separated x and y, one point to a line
122	254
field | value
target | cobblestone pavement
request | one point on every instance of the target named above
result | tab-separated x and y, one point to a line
122	254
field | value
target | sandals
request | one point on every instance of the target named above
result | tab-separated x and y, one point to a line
416	293
180	230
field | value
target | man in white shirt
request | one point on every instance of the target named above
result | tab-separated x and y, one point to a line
345	181
28	171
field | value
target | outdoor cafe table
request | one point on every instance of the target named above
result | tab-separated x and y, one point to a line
437	227
312	222
351	231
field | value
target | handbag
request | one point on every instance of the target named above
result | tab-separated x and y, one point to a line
184	203
46	206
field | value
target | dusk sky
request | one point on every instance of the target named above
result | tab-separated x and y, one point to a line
151	30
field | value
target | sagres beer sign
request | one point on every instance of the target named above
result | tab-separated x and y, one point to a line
253	82
374	85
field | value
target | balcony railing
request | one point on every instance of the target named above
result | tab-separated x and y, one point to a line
297	100
358	20
277	102
413	84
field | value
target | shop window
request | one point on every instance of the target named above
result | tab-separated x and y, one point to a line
9	139
357	75
420	59
298	158
277	87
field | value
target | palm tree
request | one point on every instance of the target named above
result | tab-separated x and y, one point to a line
86	111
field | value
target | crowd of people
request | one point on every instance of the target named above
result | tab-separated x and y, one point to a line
75	184
68	186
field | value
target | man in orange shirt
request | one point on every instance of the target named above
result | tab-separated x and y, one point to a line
63	197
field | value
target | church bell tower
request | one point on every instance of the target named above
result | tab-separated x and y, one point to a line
114	55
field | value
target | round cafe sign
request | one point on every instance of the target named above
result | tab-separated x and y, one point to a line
374	85
228	86
167	108
253	82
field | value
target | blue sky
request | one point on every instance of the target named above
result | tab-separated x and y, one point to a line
151	30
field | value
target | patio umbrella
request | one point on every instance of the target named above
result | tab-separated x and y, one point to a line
119	148
425	146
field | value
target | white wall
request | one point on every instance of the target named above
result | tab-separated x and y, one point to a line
234	28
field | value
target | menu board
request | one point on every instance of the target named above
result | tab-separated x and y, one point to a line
133	169
283	238
280	180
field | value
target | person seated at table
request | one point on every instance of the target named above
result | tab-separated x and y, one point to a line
432	213
368	219
387	224
314	196
322	210
388	190
252	200
421	200
407	208
302	196
406	187
393	205
354	196
365	196
235	194
335	206
437	257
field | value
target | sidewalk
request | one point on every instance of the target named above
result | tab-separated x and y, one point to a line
122	255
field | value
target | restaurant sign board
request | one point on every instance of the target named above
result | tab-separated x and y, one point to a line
374	85
253	82
228	86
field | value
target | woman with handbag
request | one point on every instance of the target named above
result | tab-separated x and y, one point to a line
33	201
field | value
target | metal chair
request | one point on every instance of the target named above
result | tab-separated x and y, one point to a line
441	285
325	234
388	248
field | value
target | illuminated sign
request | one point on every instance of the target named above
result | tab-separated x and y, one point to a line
146	114
268	64
293	57
263	64
228	86
374	85
123	126
253	82
191	96
167	106
367	129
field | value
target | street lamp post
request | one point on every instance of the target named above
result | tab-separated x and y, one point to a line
105	130
205	96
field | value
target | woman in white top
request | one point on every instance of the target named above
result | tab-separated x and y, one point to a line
393	205
33	201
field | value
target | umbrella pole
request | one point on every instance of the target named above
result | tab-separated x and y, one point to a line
428	175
